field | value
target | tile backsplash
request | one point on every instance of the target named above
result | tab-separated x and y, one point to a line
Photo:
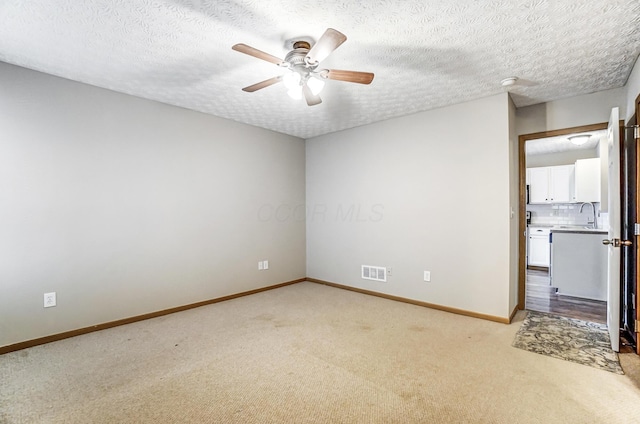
564	214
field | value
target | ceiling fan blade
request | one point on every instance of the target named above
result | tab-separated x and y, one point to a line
251	51
349	76
312	99
330	40
262	84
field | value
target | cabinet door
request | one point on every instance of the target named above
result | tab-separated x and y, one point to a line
539	250
538	185
561	184
588	180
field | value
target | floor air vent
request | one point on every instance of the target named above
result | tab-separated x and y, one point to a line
376	273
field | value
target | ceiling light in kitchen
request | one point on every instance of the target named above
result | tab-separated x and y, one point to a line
579	140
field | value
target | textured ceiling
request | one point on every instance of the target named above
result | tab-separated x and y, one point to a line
425	54
561	143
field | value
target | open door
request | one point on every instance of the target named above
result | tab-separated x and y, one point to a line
632	286
636	297
629	185
615	225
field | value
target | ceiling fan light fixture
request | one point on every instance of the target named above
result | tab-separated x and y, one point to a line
295	92
315	85
291	80
579	140
302	78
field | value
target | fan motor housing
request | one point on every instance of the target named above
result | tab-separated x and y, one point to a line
295	57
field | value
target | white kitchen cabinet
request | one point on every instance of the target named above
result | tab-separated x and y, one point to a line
552	184
538	185
561	183
539	253
587	187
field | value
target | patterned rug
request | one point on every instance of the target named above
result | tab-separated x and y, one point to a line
583	342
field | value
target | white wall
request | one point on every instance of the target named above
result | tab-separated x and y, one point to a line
571	112
430	191
125	206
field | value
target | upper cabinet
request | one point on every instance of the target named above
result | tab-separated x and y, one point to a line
565	183
588	172
562	183
552	184
538	185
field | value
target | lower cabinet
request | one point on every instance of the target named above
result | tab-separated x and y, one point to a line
539	251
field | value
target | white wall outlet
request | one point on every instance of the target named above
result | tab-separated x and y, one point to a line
49	299
389	271
260	265
265	264
427	276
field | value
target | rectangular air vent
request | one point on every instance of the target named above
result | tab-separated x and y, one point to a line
376	273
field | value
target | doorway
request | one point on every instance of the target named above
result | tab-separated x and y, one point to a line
550	152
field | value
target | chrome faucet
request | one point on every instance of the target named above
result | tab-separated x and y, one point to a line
594	223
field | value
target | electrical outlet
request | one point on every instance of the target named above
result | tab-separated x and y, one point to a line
265	264
260	265
389	271
49	299
427	276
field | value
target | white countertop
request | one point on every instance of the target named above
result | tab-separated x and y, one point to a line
585	229
577	229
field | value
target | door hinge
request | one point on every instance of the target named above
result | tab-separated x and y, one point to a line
637	329
636	229
636	131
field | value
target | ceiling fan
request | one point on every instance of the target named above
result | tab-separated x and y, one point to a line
304	78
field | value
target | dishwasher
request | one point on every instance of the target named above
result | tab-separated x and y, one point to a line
579	264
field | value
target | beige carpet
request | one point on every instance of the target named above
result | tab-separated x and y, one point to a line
307	353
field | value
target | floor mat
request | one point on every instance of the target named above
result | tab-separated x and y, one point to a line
583	342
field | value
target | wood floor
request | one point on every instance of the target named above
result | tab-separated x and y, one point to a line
542	297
